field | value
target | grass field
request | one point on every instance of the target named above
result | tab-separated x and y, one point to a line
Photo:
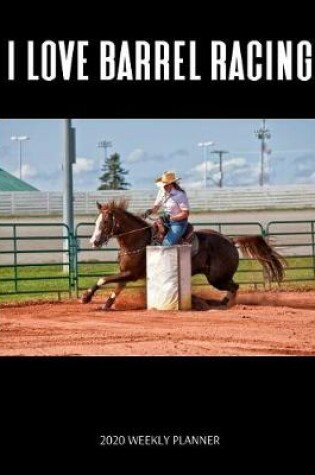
49	281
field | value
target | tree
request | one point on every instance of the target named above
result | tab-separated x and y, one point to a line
113	176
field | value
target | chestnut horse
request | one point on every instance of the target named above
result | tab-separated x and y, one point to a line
217	257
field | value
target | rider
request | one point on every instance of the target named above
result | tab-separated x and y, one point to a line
175	204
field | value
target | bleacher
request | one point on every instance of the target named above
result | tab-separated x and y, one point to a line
24	203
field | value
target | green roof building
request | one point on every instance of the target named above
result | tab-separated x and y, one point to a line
9	182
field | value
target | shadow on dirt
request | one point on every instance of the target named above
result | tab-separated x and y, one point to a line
295	300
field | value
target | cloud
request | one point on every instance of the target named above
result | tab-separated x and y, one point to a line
27	171
198	184
234	163
140	156
137	155
304	167
227	165
237	171
241	172
310	179
85	176
47	181
83	165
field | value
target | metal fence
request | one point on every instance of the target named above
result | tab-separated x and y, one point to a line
296	241
40	259
36	259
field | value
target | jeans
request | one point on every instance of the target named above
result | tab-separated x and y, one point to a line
175	232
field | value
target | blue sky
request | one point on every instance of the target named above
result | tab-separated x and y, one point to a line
150	146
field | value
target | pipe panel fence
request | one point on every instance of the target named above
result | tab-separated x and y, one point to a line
45	259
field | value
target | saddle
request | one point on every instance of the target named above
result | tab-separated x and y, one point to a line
160	228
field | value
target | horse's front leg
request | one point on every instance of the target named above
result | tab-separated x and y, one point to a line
113	296
121	279
88	294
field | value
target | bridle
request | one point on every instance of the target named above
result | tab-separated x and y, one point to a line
114	232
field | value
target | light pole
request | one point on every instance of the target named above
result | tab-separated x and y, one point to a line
20	139
69	158
205	146
262	134
220	153
105	145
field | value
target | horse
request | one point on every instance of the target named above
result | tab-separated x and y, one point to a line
217	257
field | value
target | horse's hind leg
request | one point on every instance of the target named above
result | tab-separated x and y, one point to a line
230	286
230	298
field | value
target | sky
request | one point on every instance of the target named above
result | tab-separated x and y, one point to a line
148	147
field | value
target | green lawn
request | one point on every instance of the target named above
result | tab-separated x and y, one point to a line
49	281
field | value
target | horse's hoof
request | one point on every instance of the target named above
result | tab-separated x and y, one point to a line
228	302
105	308
108	304
86	297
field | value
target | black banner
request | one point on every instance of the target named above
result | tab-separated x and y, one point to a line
83	412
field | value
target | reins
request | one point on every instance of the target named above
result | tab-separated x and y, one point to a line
111	234
136	251
133	231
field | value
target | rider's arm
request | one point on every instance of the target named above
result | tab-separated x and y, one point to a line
158	202
184	213
155	208
152	210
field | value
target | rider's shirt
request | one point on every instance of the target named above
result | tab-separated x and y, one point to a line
173	202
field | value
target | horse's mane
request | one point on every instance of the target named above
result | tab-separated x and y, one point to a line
113	204
122	205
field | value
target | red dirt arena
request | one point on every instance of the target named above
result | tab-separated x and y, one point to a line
261	323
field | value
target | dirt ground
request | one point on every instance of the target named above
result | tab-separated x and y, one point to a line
261	323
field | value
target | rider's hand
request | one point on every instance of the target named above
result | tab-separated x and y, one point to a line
147	213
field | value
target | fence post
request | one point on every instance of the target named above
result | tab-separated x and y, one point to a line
313	246
48	202
15	258
12	203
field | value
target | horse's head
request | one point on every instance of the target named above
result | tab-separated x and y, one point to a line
105	226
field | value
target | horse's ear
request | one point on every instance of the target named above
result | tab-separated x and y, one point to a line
99	205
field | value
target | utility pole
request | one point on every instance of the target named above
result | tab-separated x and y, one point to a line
105	145
220	153
262	134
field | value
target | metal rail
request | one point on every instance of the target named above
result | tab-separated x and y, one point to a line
33	260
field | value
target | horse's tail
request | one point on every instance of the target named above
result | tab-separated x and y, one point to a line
256	247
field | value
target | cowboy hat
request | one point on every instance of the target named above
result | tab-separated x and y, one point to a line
167	178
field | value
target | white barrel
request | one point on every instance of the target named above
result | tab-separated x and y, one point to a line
169	277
